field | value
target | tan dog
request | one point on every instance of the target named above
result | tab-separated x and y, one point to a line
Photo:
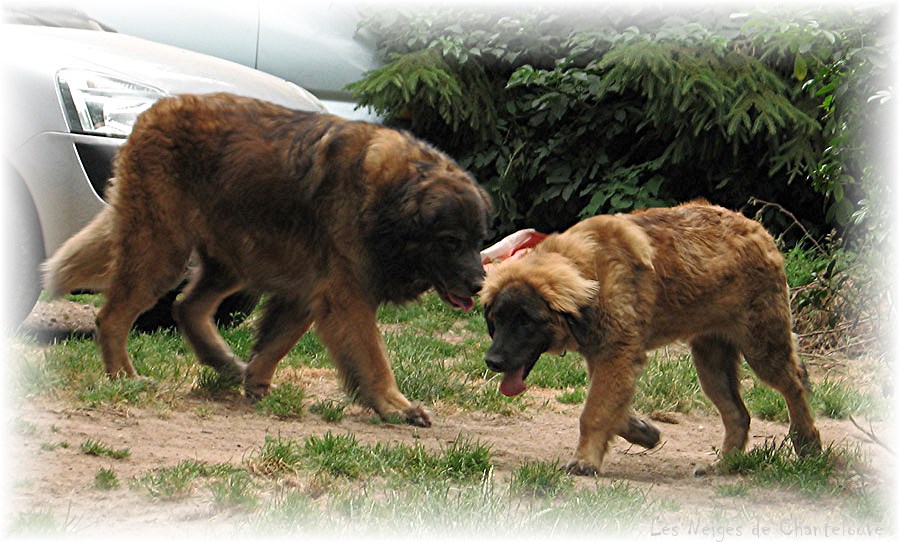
613	287
327	218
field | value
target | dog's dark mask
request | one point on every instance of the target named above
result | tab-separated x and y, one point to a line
452	223
521	325
437	231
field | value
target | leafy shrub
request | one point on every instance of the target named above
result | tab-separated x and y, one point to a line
565	114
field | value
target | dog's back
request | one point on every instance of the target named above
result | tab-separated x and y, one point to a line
695	272
709	265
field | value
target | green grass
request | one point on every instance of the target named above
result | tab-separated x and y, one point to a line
95	447
42	522
838	401
774	463
329	410
122	391
559	372
337	484
669	384
343	455
235	490
338	455
276	456
285	401
106	479
828	398
436	354
437	357
95	300
540	479
210	383
179	481
51	446
572	397
421	491
443	508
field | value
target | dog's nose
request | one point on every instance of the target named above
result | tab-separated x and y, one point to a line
494	362
475	283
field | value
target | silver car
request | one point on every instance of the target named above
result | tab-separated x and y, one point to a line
315	44
70	99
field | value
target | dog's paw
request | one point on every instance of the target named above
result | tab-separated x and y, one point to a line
255	392
231	376
713	468
641	433
416	415
580	467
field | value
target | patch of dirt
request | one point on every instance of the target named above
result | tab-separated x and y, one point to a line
228	430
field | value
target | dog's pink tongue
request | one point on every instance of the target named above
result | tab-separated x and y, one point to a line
513	382
464	303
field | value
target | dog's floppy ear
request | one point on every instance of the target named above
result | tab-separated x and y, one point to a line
562	286
569	294
584	326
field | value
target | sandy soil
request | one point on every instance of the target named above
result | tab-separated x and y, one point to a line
227	430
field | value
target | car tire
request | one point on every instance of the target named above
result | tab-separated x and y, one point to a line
23	252
233	310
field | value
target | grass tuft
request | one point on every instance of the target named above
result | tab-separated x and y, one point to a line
179	481
774	463
338	455
572	397
540	479
211	383
39	523
330	411
106	479
95	447
284	401
276	456
236	490
559	372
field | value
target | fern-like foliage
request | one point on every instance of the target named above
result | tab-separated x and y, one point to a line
563	114
458	98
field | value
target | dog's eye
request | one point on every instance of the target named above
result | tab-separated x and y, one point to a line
490	327
527	319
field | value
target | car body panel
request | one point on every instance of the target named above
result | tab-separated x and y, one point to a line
314	44
37	141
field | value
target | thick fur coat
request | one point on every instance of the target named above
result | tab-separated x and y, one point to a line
614	287
327	218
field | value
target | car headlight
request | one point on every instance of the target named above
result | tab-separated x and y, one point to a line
101	104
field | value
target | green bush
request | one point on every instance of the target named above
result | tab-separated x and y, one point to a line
565	114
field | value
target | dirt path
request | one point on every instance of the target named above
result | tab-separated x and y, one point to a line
226	431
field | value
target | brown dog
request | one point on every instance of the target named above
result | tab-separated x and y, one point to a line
613	287
328	218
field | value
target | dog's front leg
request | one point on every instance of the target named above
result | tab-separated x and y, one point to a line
347	326
605	411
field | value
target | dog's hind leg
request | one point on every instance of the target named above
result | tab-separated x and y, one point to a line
283	322
194	312
717	362
773	357
147	265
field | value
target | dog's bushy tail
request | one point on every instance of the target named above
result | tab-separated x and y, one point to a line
84	261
